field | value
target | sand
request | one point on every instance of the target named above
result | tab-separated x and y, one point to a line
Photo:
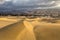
28	29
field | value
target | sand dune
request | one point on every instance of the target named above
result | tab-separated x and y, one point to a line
44	30
30	29
11	32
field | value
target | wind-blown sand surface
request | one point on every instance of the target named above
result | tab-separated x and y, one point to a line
44	30
29	29
6	21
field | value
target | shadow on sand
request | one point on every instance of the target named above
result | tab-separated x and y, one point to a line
10	32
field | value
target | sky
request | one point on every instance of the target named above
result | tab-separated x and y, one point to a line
33	2
27	1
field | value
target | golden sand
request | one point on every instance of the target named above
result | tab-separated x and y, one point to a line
29	29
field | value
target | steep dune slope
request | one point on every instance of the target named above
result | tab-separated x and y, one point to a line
11	32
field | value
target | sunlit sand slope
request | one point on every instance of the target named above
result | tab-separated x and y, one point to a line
25	35
43	30
47	32
5	21
11	32
16	31
31	29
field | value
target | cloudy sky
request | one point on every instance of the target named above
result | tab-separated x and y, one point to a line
33	2
28	1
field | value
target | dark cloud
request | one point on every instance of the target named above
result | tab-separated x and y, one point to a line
40	3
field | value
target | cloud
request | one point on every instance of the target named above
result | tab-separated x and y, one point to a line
2	1
33	2
30	2
8	0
